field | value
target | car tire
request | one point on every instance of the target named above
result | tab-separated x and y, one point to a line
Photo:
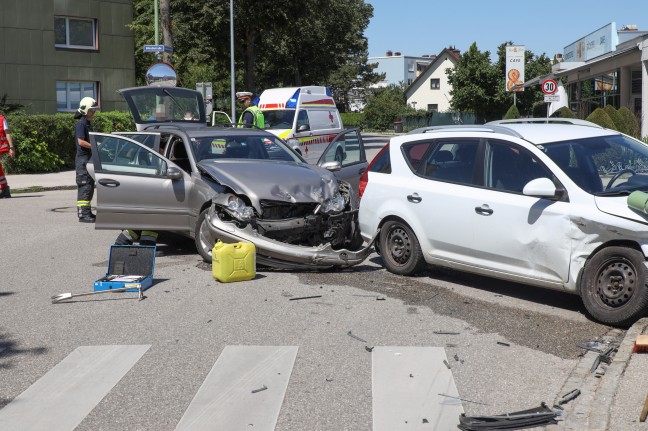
613	286
401	251
203	238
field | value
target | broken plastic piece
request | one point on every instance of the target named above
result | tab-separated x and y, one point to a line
501	343
445	333
355	337
305	297
569	396
535	417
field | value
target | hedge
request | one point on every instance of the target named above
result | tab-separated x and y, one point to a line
45	143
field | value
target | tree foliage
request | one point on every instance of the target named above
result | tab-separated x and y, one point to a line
384	106
285	43
478	85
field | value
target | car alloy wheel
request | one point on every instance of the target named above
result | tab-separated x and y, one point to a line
401	251
203	238
614	289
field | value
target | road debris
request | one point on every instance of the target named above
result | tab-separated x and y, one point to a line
502	343
538	416
446	333
604	357
305	297
464	400
356	337
446	364
571	395
254	391
369	348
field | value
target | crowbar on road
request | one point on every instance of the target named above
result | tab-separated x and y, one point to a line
129	286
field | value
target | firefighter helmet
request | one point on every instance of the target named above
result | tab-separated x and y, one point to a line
86	104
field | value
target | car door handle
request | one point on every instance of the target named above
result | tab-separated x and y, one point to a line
483	210
109	183
414	198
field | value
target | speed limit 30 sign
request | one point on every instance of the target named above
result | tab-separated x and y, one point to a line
550	86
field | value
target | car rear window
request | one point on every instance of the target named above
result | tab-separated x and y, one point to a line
382	162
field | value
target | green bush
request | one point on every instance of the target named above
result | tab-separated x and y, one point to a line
563	112
352	119
615	116
629	123
600	117
385	106
512	113
539	110
45	143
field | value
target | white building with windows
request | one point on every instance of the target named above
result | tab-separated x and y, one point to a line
430	90
54	53
399	68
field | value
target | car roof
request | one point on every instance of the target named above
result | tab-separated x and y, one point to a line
200	131
535	130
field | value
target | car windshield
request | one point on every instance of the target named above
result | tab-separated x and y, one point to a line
253	147
278	118
605	165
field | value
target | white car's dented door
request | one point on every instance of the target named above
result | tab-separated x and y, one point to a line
137	188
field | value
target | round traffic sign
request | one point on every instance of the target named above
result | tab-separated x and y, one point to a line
549	86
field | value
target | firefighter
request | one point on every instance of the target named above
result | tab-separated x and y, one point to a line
84	181
144	237
252	116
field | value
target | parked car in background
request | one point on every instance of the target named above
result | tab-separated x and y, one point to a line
535	201
232	184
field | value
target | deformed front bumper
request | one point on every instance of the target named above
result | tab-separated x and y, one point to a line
282	255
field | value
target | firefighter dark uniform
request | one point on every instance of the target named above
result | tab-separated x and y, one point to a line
144	237
84	181
252	116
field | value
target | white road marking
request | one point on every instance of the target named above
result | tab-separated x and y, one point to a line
406	382
60	399
226	399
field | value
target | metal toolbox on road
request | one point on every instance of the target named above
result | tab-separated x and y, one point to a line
128	265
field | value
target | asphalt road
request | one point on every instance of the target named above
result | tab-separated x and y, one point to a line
188	319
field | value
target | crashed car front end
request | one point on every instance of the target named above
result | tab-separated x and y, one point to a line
289	234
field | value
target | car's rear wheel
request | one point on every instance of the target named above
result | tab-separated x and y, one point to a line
401	251
613	288
204	239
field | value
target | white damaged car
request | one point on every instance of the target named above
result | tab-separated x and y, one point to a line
535	201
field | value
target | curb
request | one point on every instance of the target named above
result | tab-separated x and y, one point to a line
592	409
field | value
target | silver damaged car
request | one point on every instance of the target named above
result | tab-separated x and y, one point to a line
227	183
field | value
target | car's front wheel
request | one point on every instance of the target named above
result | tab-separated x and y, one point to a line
203	237
613	288
401	251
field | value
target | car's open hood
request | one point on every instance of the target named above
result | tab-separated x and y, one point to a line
273	180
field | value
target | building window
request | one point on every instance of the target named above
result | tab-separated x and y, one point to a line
69	94
433	107
435	84
76	33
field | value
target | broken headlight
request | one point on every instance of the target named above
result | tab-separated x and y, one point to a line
333	205
238	209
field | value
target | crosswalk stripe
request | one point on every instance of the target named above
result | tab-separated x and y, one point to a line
406	382
233	397
60	399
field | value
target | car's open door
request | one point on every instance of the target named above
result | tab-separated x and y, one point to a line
347	149
150	139
137	188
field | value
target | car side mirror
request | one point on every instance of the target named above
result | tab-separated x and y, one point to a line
174	173
540	187
332	166
303	128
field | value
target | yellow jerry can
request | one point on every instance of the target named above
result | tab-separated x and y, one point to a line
233	262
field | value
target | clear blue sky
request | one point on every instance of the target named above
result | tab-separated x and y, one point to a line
417	27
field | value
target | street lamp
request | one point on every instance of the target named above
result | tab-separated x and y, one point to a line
232	58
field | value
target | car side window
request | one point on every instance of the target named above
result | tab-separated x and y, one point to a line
382	162
451	160
123	156
414	153
302	121
510	167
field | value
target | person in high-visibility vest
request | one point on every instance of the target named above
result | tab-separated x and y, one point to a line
6	146
252	116
85	183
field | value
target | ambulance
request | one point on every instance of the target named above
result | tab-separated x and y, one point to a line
306	118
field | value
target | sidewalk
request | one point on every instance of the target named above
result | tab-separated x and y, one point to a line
55	181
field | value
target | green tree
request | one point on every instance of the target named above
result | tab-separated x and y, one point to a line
474	82
386	105
512	113
353	80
